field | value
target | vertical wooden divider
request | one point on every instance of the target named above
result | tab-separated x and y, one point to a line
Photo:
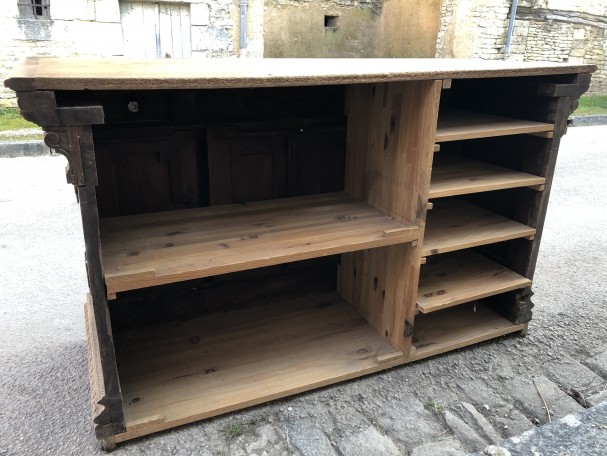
390	145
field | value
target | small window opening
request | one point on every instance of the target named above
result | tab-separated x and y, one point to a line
332	22
34	9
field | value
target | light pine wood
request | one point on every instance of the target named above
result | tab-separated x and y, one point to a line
455	278
176	374
456	125
454	224
454	175
389	156
458	327
52	73
152	249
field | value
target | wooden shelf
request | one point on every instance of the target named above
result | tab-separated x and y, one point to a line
180	373
458	327
152	249
455	125
454	224
454	175
455	278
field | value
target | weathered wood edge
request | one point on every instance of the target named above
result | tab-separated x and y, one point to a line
73	138
40	107
229	73
525	258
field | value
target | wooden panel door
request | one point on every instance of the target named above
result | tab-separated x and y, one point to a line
146	174
156	30
246	166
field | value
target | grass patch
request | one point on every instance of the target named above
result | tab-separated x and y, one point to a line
592	106
232	430
10	119
432	406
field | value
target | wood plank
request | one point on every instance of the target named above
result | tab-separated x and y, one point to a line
389	156
50	73
455	278
172	375
458	327
454	175
454	224
456	125
146	250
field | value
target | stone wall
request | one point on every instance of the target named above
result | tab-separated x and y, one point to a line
92	28
362	28
544	30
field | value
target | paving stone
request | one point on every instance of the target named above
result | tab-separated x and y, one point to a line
510	422
304	435
526	396
446	447
480	393
265	440
507	420
568	373
581	434
473	418
348	420
598	364
368	443
408	421
496	450
596	399
469	438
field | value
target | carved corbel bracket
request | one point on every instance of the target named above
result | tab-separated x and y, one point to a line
65	142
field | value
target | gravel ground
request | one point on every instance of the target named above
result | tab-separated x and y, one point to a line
416	409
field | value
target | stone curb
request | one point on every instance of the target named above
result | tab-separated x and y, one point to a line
583	433
12	149
586	121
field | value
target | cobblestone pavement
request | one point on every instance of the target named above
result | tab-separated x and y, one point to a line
449	405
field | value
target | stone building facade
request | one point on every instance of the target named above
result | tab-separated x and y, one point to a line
351	28
572	31
104	28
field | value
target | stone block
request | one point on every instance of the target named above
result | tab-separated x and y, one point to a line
369	442
446	447
199	14
308	438
408	421
526	396
598	364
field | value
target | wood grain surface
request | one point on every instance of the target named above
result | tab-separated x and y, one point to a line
52	73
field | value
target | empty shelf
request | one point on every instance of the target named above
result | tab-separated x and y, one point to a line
455	278
454	224
456	328
151	249
455	125
183	372
453	175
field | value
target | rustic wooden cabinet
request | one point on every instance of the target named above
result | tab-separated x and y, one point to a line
255	229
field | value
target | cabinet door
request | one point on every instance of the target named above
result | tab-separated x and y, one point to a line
146	174
317	161
245	166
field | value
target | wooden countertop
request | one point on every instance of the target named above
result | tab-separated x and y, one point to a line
50	73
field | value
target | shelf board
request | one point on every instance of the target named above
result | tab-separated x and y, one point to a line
458	327
183	372
454	224
455	125
151	249
453	175
459	277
